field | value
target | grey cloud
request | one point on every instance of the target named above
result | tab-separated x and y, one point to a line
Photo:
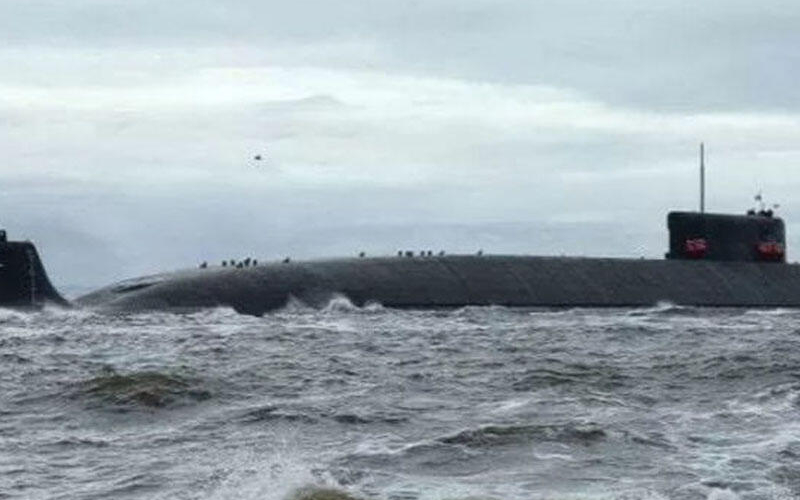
674	55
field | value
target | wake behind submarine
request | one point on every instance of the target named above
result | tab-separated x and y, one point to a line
719	260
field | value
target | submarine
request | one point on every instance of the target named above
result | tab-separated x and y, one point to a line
713	260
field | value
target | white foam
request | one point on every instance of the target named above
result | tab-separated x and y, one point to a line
339	303
376	445
14	315
274	476
772	312
295	306
373	306
509	405
723	495
661	307
469	310
49	315
438	491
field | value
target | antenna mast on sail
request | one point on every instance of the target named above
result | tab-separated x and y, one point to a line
702	178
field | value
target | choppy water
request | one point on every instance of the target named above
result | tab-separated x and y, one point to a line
661	403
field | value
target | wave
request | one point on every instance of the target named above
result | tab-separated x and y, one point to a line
321	493
543	377
354	419
285	473
316	493
722	494
772	312
147	389
15	315
333	303
664	308
49	312
482	310
306	415
500	435
273	413
339	303
11	358
602	376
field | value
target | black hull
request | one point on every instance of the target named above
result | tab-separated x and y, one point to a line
455	281
23	280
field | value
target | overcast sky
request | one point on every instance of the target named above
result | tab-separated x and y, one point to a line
128	129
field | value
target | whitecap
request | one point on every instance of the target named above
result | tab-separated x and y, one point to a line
661	307
277	475
339	303
723	495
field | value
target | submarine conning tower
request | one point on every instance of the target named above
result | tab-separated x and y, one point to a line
23	279
755	237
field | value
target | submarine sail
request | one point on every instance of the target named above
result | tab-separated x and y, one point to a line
23	279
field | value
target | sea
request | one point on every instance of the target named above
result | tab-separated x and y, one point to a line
342	402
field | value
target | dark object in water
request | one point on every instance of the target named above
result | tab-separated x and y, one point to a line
146	389
742	265
321	494
713	260
23	279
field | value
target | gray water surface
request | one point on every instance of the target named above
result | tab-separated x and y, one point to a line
660	403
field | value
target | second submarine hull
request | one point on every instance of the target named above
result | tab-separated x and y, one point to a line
456	281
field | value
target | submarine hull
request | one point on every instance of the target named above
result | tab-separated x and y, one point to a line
455	281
